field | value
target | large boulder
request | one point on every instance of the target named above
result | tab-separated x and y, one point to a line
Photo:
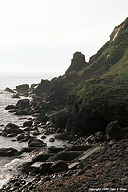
114	131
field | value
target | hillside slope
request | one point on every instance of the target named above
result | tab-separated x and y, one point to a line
102	96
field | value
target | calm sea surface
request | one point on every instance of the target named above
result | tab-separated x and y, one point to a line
11	80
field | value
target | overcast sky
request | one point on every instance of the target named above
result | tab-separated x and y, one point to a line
42	35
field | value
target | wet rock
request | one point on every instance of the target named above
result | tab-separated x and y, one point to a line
36	143
11	128
23	137
10	107
27	123
22	104
41	157
8	152
114	131
59	166
43	137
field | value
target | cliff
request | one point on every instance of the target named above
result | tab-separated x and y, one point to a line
102	95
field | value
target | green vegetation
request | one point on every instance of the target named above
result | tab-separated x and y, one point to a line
107	75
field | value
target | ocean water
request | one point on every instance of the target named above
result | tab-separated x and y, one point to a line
8	164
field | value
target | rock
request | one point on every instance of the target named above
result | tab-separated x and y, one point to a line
10	107
51	140
59	166
11	128
16	95
43	137
22	88
45	168
27	123
9	90
22	104
36	143
8	152
23	136
41	157
114	131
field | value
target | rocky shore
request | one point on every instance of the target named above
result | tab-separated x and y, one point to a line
103	170
88	108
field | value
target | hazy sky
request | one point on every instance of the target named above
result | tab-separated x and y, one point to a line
42	35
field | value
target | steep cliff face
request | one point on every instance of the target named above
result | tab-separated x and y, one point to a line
102	96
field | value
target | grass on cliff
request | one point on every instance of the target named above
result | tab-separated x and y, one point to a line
91	91
112	58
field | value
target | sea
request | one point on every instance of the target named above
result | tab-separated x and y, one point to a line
8	165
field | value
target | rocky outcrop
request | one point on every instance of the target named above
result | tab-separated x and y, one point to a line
78	63
22	89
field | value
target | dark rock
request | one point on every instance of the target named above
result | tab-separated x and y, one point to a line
114	131
8	152
59	166
11	129
23	103
45	168
35	143
22	136
22	88
9	90
43	137
10	107
41	157
27	123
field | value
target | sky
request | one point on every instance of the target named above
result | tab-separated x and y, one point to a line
42	35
